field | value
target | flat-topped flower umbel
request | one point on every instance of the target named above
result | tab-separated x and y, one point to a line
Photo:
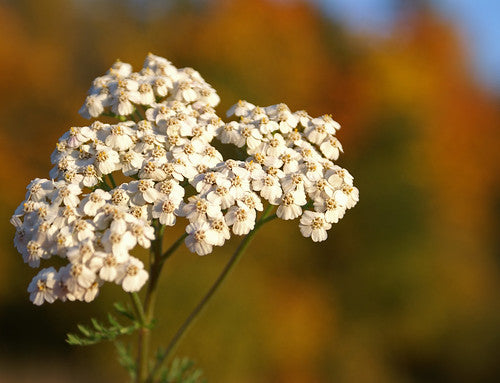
163	151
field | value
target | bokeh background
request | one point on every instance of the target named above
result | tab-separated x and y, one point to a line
406	289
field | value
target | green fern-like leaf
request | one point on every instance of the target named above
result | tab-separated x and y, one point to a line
126	359
123	310
100	331
181	370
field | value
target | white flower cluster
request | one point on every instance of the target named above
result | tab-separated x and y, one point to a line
293	155
162	156
120	90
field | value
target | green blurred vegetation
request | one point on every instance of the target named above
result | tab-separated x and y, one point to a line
406	289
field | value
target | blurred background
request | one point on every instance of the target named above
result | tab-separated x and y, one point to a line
407	287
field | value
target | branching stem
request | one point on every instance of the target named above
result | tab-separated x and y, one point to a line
265	217
145	312
157	259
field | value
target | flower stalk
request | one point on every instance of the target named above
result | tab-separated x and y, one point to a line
265	217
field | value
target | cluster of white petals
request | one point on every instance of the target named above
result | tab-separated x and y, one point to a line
162	155
291	156
121	90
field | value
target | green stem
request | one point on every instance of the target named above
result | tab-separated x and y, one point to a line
172	248
112	115
265	217
139	115
138	309
156	264
144	339
113	183
102	185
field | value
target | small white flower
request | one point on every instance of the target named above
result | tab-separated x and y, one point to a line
143	191
90	177
81	253
152	170
331	148
251	200
290	159
352	194
287	120
22	236
332	210
253	137
83	229
120	69
230	134
294	182
94	105
91	292
241	108
303	117
319	189
131	162
290	207
269	187
257	113
107	265
313	224
160	65
73	177
79	276
121	104
148	141
33	253
275	145
200	238
143	233
184	92
94	201
294	138
312	169
162	86
158	112
254	170
206	95
337	177
242	219
119	139
119	196
239	185
211	157
62	240
66	194
189	153
341	196
171	189
144	94
199	208
164	210
41	288
78	135
39	189
223	196
218	232
176	171
267	126
106	159
119	243
134	275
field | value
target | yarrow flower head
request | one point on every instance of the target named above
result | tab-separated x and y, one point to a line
163	150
